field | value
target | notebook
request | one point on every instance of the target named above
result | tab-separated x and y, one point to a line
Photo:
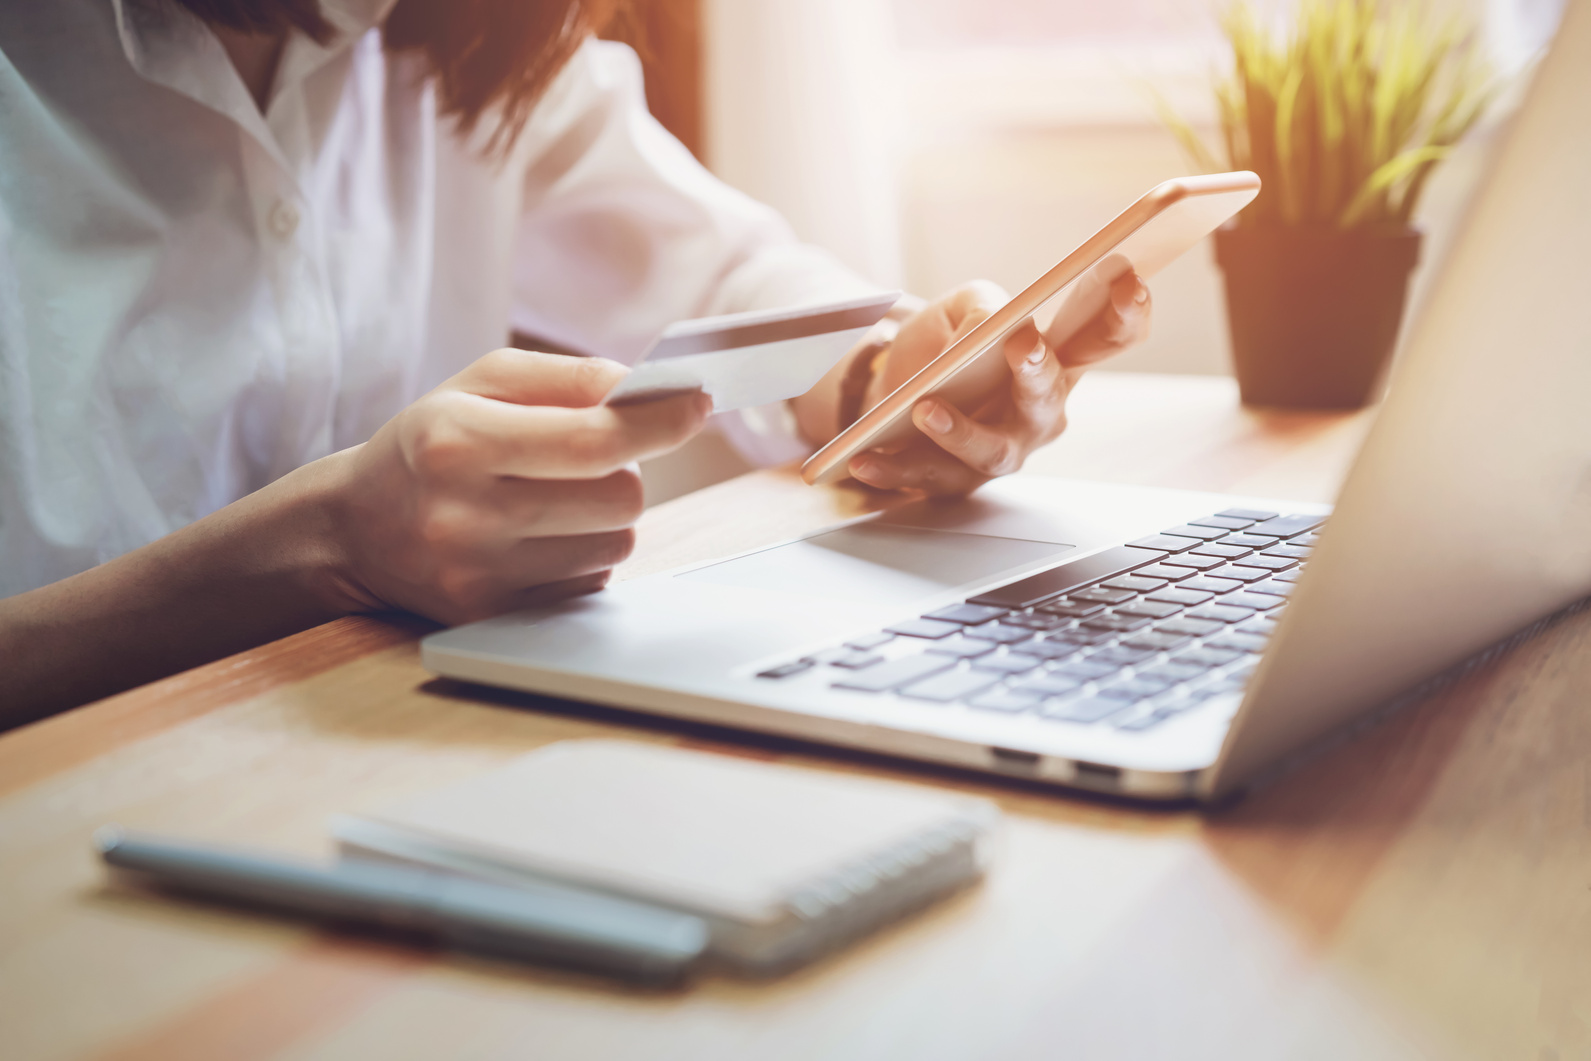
782	863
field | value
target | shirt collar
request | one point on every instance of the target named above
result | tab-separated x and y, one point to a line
170	46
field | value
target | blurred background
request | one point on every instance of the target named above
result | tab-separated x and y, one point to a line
925	142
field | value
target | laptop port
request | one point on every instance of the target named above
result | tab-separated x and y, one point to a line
1097	775
1015	761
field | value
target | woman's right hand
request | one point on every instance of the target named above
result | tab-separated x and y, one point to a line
506	486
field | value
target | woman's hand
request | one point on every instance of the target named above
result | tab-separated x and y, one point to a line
959	451
506	486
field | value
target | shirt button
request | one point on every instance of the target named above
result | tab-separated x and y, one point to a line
283	219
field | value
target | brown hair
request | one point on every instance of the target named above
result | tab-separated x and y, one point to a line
482	53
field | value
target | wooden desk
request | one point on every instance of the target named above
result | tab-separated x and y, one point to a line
1424	892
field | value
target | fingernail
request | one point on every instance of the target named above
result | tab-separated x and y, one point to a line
936	419
1037	354
864	467
1140	292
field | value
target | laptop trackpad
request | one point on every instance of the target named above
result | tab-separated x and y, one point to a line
878	563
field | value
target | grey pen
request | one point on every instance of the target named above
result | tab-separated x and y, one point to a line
555	924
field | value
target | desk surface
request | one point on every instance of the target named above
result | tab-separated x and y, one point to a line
1422	892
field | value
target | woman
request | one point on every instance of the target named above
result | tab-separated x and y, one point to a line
251	255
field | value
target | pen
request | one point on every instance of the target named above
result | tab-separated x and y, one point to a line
539	923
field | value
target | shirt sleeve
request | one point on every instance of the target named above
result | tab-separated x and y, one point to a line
622	231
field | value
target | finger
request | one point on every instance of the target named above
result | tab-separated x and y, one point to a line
537	561
549	508
1123	322
492	581
526	377
504	598
552	592
987	449
923	467
1038	388
478	434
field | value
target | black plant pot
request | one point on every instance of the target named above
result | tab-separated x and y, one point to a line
1314	313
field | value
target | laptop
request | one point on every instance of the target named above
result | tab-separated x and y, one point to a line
1155	643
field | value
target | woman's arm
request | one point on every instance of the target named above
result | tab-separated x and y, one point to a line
504	487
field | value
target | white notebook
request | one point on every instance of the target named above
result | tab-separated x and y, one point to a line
783	863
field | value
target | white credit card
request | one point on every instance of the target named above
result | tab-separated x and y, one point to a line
747	359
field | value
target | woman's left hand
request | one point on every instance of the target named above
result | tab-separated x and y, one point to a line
959	452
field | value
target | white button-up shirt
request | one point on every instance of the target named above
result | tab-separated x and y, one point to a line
197	297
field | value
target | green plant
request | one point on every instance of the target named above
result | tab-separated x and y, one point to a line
1345	117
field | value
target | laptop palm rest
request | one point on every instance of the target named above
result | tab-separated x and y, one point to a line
877	563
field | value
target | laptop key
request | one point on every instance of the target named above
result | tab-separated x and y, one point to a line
889	674
999	633
1036	621
1259	602
1248	541
1113	622
1188	530
932	629
867	641
1253	515
1086	670
1040	650
1131	690
1086	709
1220	613
1260	625
1120	655
1006	701
1006	663
1101	595
1047	685
1221	549
1273	586
1024	593
1269	563
1171	673
1134	583
952	685
1196	561
1223	522
1072	609
1206	657
1286	526
1241	574
1189	627
1295	552
1241	642
849	658
1164	543
968	614
1288	576
1206	584
1075	636
1158	641
787	670
1167	572
1186	598
1150	608
961	647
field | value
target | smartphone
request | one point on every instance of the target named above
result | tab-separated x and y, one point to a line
1145	237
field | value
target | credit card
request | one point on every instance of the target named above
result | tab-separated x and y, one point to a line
748	359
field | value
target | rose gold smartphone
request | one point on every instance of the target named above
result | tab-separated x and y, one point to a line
1145	237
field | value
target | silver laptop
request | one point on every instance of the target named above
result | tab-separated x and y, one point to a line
1155	643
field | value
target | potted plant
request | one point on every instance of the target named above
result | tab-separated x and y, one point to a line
1343	118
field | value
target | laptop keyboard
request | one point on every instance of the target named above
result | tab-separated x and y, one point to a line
1128	637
